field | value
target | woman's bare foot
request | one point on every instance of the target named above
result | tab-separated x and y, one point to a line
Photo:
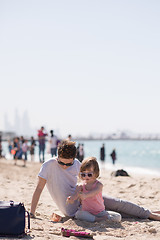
154	216
156	212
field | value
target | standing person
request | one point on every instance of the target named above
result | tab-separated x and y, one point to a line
0	146
60	174
16	149
81	152
102	153
24	151
32	148
77	155
20	152
9	146
53	144
90	195
41	138
113	156
69	138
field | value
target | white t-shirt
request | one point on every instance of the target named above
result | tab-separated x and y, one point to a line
61	183
53	142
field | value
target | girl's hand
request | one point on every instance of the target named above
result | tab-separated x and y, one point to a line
82	196
69	200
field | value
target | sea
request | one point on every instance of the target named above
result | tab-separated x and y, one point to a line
134	156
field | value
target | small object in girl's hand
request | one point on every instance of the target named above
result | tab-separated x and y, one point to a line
55	217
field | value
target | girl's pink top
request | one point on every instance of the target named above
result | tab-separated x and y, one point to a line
93	204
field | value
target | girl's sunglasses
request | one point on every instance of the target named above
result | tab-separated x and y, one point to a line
86	174
65	164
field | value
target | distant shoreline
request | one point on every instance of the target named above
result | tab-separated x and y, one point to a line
102	139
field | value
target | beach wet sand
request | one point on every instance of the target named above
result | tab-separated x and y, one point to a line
18	183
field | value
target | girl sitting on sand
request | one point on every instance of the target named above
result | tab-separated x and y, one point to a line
90	194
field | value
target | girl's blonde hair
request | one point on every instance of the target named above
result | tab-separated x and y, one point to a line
89	162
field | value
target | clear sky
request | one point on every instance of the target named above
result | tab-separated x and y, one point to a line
81	66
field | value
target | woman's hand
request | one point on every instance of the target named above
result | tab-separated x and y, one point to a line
69	200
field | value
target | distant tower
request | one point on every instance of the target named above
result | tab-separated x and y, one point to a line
26	128
17	123
7	125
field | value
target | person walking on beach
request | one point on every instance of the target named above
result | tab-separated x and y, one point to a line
102	153
60	174
69	138
53	144
32	148
24	151
77	155
81	152
41	138
90	195
0	146
113	156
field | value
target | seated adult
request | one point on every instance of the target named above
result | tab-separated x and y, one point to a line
60	174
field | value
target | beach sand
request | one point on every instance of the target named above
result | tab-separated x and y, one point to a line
18	183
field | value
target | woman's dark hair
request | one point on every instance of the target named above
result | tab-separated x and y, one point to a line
67	149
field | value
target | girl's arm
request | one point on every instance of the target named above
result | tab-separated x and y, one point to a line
75	196
92	193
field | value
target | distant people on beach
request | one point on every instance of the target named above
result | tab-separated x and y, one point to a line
113	156
102	153
32	148
0	146
53	141
81	152
42	142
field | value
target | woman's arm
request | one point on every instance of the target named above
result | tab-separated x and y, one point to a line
36	195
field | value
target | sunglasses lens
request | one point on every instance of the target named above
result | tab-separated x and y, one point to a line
90	174
61	163
83	174
65	164
68	164
86	174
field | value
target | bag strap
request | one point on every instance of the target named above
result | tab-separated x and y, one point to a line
28	215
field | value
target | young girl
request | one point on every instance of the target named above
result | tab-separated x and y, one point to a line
90	194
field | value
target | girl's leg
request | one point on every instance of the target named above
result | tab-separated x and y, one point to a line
84	215
126	208
109	215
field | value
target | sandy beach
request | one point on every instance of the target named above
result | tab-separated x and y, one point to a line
17	183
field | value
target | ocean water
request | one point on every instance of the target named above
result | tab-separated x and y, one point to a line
132	156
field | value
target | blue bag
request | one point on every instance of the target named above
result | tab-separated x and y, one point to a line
12	219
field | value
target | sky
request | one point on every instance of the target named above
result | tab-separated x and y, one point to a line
82	67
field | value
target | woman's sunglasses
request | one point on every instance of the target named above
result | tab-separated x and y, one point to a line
86	174
65	164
